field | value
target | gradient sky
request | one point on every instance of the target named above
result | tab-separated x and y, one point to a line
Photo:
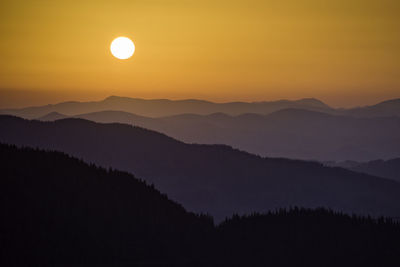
344	52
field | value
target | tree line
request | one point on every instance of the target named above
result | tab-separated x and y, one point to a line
58	210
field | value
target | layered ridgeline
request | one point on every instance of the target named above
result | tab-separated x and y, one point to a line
383	168
289	133
209	178
165	107
60	211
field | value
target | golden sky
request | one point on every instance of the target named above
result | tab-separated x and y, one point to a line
344	52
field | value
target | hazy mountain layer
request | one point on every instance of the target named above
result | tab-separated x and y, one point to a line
289	133
209	178
383	168
165	107
383	109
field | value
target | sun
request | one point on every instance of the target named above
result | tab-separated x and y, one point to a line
122	48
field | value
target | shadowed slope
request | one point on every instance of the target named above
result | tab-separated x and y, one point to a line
59	211
56	209
308	238
209	178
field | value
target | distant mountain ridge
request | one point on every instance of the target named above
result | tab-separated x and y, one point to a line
289	133
383	168
384	109
164	107
209	178
53	116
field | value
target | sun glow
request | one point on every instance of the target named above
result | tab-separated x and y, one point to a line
122	48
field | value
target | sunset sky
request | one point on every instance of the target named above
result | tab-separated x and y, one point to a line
344	52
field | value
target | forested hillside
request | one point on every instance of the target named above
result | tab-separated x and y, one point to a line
64	212
213	179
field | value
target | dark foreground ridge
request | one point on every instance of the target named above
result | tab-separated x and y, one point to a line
60	211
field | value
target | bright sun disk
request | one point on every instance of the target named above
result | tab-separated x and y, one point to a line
122	48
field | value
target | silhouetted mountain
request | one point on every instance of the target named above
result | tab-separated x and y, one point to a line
165	107
209	178
383	168
53	116
289	133
307	238
59	211
384	109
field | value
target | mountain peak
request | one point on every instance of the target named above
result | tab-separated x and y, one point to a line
114	98
298	112
52	116
313	101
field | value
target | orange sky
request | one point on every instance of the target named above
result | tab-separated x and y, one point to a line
344	52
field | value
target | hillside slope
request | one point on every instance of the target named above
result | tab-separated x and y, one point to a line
209	178
57	209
